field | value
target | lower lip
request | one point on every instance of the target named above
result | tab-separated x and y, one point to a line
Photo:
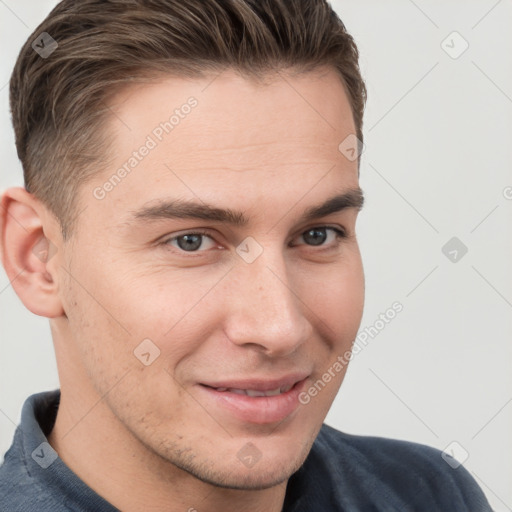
258	409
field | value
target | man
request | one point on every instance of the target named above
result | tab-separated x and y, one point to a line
188	227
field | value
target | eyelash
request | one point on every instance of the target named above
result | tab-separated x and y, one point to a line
340	235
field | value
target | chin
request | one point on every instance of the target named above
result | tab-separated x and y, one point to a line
247	479
265	473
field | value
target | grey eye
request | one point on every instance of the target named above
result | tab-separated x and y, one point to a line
191	242
315	236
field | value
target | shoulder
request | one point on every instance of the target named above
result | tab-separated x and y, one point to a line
19	490
406	472
32	477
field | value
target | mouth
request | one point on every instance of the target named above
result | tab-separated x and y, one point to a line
256	401
254	392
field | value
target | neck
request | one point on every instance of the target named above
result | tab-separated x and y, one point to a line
97	447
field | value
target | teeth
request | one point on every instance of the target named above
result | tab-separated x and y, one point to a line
237	391
253	392
256	392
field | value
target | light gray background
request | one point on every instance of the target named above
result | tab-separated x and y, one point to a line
437	164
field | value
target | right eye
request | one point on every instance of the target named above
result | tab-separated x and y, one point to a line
189	242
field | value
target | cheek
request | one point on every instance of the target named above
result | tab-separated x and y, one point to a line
154	302
340	306
112	325
340	300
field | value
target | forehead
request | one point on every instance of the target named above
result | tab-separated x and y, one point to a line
226	137
232	111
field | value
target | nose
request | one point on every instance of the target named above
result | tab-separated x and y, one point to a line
264	309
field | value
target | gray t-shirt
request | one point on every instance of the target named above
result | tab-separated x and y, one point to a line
342	473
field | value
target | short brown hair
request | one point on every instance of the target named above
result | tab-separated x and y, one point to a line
60	103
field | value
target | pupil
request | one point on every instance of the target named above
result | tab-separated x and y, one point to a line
317	237
192	242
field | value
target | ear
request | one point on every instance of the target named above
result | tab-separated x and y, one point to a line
27	252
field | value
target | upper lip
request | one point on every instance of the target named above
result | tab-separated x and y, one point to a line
259	384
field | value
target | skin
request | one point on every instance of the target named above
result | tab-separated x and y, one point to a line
148	437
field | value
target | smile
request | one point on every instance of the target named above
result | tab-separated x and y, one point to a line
256	392
257	402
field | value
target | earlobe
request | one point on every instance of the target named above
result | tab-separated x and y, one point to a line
27	252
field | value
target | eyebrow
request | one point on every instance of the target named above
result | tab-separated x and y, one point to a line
184	209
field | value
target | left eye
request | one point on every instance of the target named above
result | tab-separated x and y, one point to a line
192	242
317	236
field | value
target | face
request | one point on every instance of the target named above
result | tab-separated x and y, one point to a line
209	293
